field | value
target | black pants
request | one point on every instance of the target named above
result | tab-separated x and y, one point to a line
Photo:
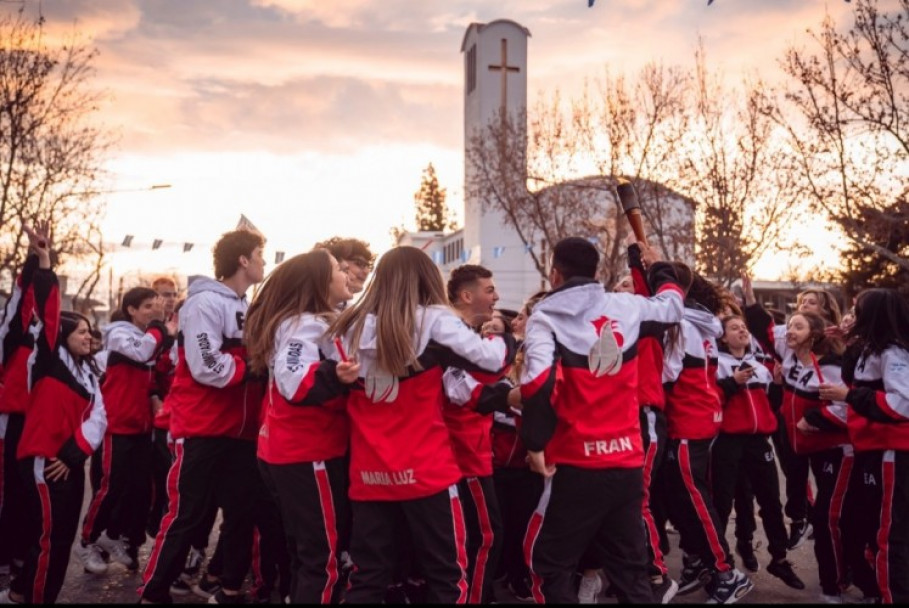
13	509
518	492
121	474
206	470
600	508
743	503
50	526
436	524
832	470
875	525
484	535
691	505
312	500
161	461
653	431
795	469
751	456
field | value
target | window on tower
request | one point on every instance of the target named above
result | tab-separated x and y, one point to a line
471	68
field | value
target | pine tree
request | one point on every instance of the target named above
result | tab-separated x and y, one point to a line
432	212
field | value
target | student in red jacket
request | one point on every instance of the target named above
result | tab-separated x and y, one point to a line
878	422
743	445
16	344
121	469
64	425
305	435
214	421
401	462
580	404
694	414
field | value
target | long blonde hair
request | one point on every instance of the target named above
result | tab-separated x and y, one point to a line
299	285
404	279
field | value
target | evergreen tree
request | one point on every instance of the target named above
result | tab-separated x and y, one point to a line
432	212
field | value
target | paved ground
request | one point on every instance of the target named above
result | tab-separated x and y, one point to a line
119	586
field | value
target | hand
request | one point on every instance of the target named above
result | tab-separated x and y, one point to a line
804	427
172	325
514	399
39	241
348	371
777	373
537	462
833	392
649	255
493	327
748	290
55	469
742	376
835	331
156	405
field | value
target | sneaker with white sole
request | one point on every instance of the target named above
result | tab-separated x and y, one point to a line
90	556
664	591
6	598
694	574
181	587
117	549
799	531
729	587
207	587
589	589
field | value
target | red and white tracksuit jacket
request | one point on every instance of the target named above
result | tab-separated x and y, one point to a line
878	414
210	395
304	404
746	409
129	378
694	409
17	342
579	385
400	448
66	417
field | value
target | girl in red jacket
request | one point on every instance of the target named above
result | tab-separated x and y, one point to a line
743	445
303	440
64	424
878	422
121	469
401	461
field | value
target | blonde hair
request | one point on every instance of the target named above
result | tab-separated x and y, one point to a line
404	279
829	306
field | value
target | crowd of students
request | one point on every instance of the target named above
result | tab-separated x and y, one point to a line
414	442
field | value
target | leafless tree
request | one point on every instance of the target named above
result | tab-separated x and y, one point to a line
50	153
846	113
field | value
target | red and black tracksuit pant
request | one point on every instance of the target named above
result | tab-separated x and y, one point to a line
312	500
162	459
518	491
653	432
13	509
207	471
691	504
122	481
50	526
436	524
750	456
875	523
484	535
588	509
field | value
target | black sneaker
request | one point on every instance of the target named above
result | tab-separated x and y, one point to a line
396	594
799	531
664	591
181	587
782	569
694	575
729	587
746	552
222	598
520	590
207	588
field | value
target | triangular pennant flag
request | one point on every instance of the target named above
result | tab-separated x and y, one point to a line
187	247
245	224
527	247
279	257
497	252
437	256
127	240
464	256
156	244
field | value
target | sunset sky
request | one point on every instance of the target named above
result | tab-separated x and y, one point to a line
316	117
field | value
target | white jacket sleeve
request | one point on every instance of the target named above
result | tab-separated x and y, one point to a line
142	348
490	354
297	356
202	341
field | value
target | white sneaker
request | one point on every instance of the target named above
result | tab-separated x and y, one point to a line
589	590
832	599
90	556
6	599
116	548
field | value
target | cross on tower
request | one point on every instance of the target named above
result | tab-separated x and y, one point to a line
504	68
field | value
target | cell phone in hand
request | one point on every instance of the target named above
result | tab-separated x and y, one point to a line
744	366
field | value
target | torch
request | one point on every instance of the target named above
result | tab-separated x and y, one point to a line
629	199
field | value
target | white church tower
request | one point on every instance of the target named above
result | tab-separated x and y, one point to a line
495	83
